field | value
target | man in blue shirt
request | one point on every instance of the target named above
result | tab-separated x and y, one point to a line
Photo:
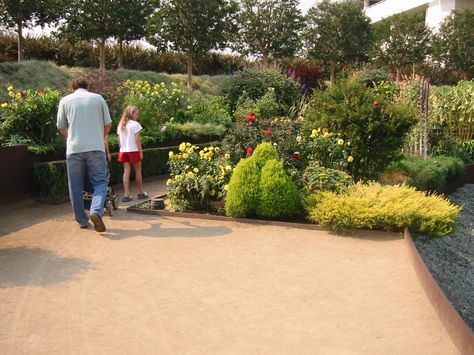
84	120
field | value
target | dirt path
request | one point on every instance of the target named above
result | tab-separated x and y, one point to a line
175	285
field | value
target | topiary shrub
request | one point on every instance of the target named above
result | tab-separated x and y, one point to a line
278	195
375	206
263	153
243	189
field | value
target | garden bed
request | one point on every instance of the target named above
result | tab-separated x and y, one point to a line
451	259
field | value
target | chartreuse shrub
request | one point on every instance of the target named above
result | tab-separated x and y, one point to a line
375	206
429	174
375	125
263	153
278	196
243	189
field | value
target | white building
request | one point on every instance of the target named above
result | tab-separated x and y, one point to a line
436	10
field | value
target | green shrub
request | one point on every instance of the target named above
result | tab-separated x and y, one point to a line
432	173
253	84
263	153
452	146
243	189
375	206
375	127
50	179
265	107
213	110
318	178
278	197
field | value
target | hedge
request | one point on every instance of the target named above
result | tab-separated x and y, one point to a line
50	179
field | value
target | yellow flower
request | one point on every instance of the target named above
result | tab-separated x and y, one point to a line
216	149
185	156
168	182
171	154
4	104
348	143
182	147
350	159
164	102
10	88
228	168
340	141
226	187
301	118
188	144
196	170
227	156
326	135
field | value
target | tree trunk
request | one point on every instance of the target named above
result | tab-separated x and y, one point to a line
120	54
332	69
413	67
102	58
190	69
20	41
398	75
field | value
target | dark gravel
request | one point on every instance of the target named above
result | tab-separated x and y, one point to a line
451	259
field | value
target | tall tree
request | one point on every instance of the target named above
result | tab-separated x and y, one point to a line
401	40
21	14
90	20
130	18
193	27
337	33
454	44
270	28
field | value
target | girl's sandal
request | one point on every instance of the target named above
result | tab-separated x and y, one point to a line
142	196
127	198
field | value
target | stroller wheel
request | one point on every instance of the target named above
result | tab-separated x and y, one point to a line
115	202
109	208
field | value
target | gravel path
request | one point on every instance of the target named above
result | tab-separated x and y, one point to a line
451	259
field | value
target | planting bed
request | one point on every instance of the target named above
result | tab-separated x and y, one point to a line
451	259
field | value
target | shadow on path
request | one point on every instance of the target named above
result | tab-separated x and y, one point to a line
24	266
189	230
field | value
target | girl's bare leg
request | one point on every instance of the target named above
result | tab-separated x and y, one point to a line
126	179
138	176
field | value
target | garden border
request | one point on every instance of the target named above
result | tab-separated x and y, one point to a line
458	330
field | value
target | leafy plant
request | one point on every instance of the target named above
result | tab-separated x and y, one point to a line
375	206
318	178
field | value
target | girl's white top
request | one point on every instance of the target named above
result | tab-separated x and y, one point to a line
127	136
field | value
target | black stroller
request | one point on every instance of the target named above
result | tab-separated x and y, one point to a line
111	202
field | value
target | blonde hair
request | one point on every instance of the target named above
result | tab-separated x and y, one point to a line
126	115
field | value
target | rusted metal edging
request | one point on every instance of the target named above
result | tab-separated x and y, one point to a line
458	330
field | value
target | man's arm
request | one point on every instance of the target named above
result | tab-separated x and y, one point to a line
61	122
63	132
107	129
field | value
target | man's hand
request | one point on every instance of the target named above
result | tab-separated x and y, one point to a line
109	156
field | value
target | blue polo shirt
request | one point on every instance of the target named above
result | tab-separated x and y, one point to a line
84	114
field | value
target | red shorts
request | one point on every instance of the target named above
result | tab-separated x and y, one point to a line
129	157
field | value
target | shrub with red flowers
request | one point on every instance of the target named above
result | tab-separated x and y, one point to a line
29	117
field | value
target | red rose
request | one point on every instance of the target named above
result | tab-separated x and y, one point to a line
250	119
267	132
295	156
249	151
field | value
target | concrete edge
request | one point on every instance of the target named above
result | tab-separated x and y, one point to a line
458	330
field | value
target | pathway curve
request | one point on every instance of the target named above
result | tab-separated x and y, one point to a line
174	285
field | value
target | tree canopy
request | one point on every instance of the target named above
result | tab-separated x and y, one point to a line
269	28
337	33
192	26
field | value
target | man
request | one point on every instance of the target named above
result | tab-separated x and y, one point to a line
84	120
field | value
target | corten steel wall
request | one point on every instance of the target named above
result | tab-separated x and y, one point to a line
466	178
16	172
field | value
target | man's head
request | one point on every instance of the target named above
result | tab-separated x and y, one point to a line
79	82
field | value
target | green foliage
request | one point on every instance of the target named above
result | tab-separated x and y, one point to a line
263	153
318	178
337	33
278	197
194	130
454	43
453	110
375	127
375	206
254	84
243	189
401	40
454	147
50	179
30	115
269	28
197	177
265	107
213	110
372	78
430	174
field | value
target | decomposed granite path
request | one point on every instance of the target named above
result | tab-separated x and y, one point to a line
172	285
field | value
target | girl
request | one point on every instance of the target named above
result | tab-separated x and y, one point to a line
131	151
